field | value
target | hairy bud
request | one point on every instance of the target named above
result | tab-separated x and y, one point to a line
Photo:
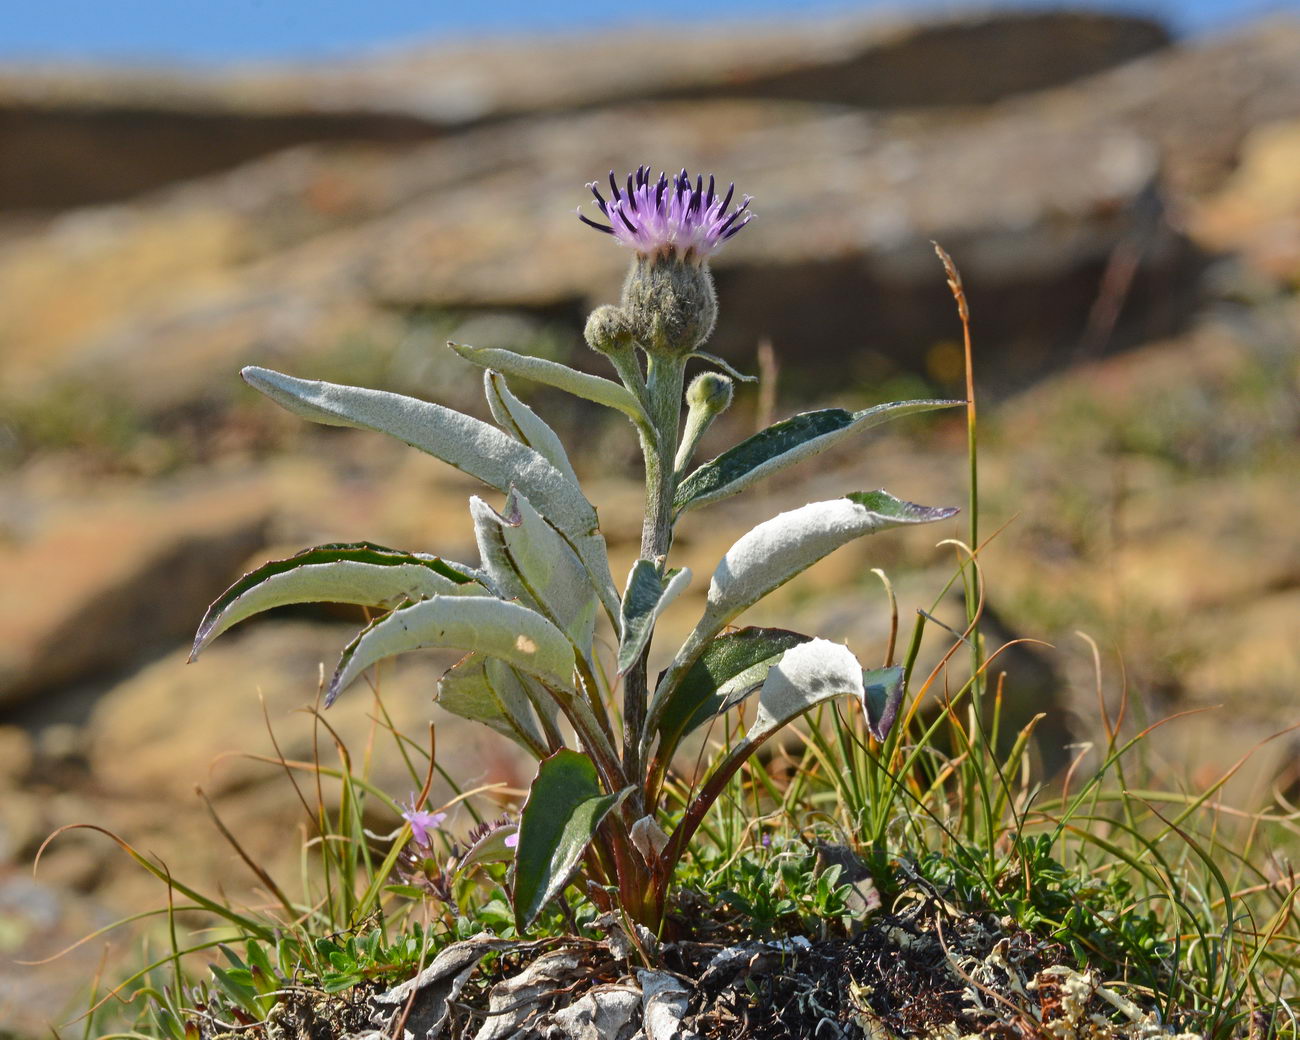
608	330
670	304
708	396
710	392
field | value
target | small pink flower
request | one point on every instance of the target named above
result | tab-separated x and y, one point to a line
422	822
511	840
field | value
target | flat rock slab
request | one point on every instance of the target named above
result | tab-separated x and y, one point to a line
91	590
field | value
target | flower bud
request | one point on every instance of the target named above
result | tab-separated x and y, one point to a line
608	330
670	304
710	392
708	396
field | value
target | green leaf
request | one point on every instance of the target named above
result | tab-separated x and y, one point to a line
775	551
523	424
487	690
552	373
565	807
647	596
462	441
730	668
783	444
529	560
882	693
361	573
510	631
491	848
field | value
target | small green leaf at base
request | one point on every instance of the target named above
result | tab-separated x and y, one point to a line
564	809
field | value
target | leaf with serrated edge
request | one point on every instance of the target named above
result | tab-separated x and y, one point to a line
768	556
646	597
783	444
730	668
491	848
524	424
360	573
460	440
565	807
552	373
510	631
486	690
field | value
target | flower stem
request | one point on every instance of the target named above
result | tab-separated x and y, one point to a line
664	379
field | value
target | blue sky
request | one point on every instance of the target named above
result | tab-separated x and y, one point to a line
222	30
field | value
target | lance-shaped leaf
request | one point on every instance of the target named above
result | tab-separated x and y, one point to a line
510	631
552	373
470	445
730	668
565	807
524	424
487	690
528	560
647	596
783	444
361	573
807	675
774	552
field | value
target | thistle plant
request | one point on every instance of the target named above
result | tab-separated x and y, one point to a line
526	616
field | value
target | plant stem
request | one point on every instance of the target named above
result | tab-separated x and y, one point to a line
664	379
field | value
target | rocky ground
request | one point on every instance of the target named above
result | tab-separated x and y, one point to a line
1125	212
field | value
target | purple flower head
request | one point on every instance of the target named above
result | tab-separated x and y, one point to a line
422	822
669	216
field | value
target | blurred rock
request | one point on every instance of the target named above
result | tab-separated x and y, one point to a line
77	135
37	921
843	263
272	667
97	587
1257	212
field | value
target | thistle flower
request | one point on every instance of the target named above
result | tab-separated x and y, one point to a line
669	216
422	822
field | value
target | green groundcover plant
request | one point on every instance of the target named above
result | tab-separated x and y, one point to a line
527	614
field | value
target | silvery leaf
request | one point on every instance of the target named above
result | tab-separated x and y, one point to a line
486	690
648	594
731	667
529	560
360	573
815	672
523	424
460	440
552	373
774	552
807	675
783	444
510	631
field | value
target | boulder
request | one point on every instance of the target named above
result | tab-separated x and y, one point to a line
96	587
